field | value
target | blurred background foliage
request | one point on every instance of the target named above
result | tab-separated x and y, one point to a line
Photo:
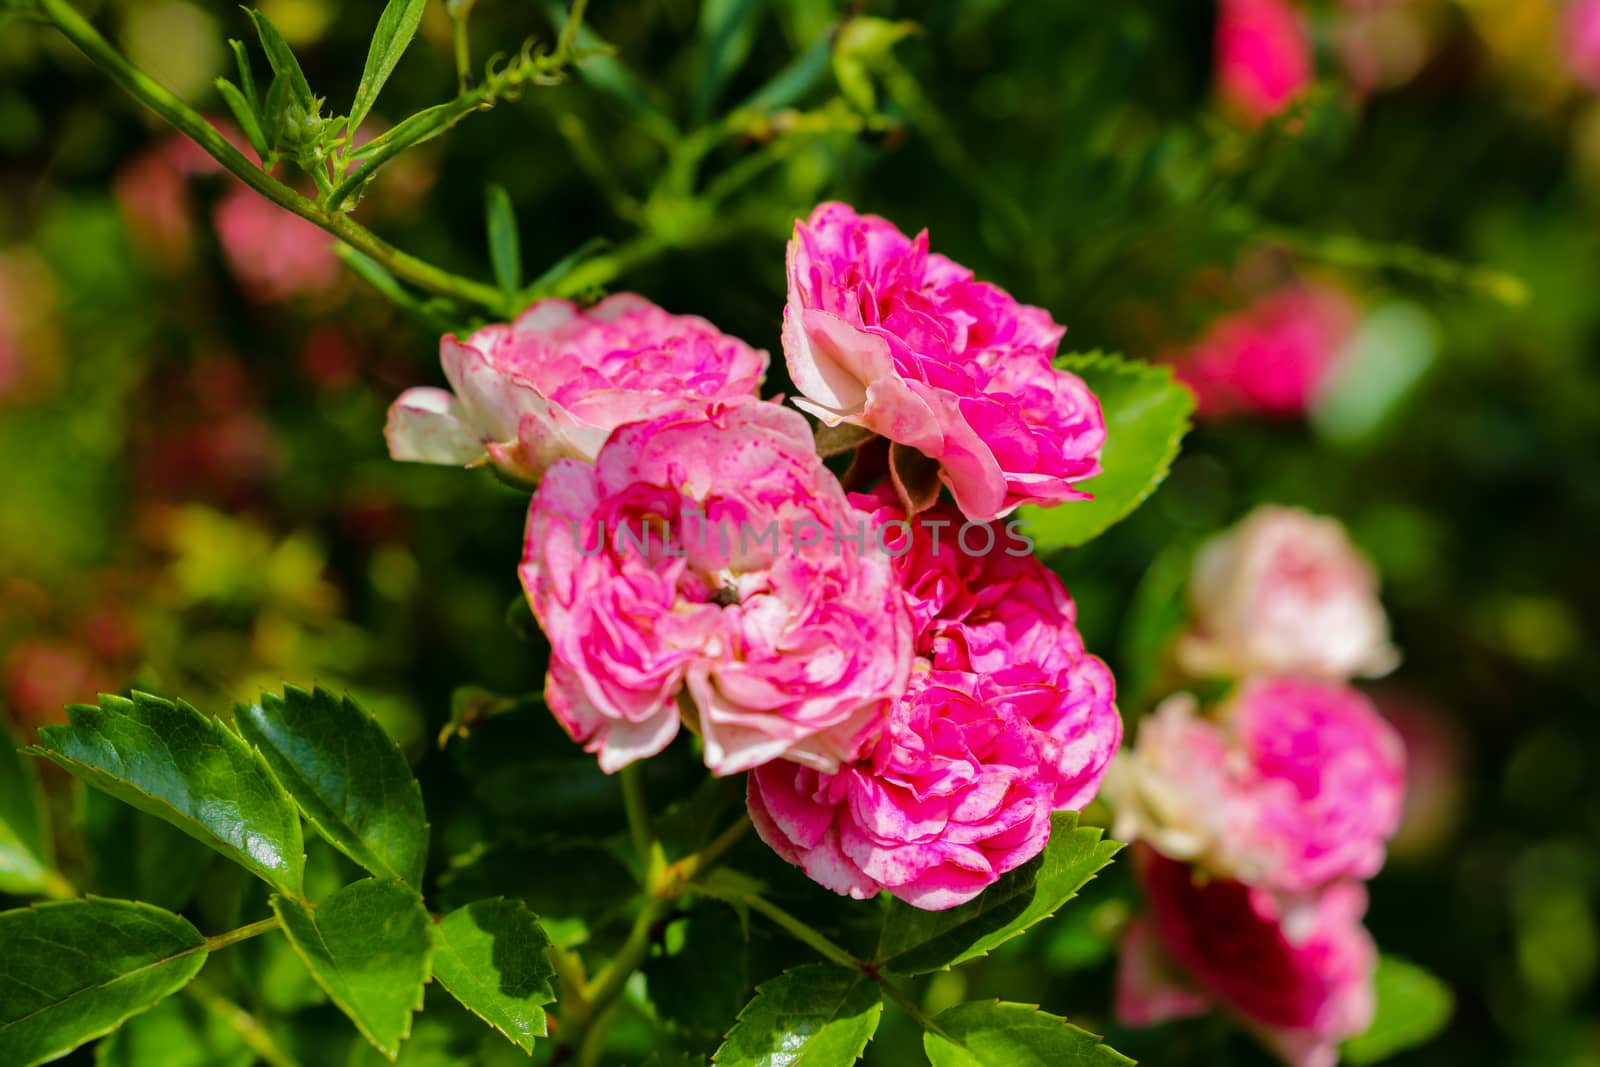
198	500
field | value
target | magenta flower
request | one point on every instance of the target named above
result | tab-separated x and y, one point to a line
1216	941
1296	784
1580	41
1004	692
556	382
952	798
709	563
1285	592
1263	57
1273	357
881	333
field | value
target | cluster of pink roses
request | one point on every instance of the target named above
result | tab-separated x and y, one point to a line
910	711
1258	822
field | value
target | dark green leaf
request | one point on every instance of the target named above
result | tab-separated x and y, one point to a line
25	854
702	981
816	1015
1147	413
139	857
916	941
189	769
1413	1006
347	776
176	1033
504	250
992	1033
396	26
72	971
282	60
727	28
369	946
491	957
556	877
244	115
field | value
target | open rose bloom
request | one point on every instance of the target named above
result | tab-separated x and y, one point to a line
693	571
882	333
1285	591
1221	942
555	383
1006	720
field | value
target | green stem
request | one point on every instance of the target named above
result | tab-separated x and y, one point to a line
425	275
827	949
247	1026
459	12
613	978
569	32
243	933
645	846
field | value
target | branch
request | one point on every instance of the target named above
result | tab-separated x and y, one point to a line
185	119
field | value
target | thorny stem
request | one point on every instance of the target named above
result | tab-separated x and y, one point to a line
424	275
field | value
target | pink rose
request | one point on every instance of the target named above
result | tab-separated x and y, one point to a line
1303	995
1263	56
761	617
981	604
951	798
1273	357
1008	718
1580	41
556	382
1325	785
1296	784
881	333
1285	592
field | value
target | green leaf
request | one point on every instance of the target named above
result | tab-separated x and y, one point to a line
491	957
917	942
176	1033
139	857
346	775
247	78
1147	413
369	947
396	26
282	61
816	1015
504	251
992	1033
244	115
187	768
25	853
1412	1007
73	971
727	29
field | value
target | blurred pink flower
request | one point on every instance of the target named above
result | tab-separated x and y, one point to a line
556	382
1263	56
791	646
1580	41
1215	940
1294	785
881	333
952	797
1284	591
276	255
1273	357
